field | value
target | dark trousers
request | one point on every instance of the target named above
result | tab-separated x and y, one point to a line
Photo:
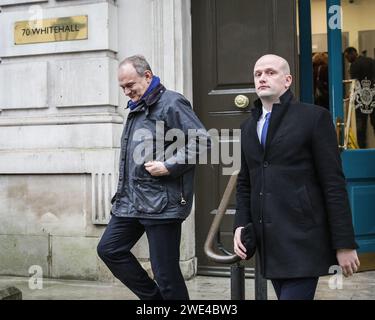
295	289
361	122
114	248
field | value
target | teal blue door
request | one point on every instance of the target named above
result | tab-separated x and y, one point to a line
358	164
359	168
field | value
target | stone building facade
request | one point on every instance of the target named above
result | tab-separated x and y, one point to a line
61	117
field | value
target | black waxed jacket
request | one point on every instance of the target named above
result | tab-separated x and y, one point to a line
139	194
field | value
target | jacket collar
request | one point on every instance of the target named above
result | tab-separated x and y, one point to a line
155	95
150	99
278	112
285	98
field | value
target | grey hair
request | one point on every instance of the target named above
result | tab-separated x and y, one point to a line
139	63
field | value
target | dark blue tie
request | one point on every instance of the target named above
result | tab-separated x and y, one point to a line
263	136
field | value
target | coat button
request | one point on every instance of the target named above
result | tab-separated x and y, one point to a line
265	164
261	193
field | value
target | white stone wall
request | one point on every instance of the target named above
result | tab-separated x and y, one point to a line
61	118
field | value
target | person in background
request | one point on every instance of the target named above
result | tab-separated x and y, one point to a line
320	73
361	68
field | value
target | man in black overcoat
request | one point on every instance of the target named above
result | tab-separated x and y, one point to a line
291	190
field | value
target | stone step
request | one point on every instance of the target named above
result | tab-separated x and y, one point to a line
10	293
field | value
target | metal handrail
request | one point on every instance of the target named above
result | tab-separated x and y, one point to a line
237	270
214	229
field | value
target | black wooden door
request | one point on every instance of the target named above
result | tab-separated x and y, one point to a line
228	38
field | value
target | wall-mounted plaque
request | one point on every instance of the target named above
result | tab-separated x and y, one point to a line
51	30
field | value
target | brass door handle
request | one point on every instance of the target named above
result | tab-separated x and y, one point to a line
241	101
340	128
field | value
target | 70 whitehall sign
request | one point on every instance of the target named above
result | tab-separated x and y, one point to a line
51	30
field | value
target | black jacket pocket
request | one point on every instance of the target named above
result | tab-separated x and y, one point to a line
150	195
305	206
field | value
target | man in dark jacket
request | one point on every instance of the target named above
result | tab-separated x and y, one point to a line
291	188
155	188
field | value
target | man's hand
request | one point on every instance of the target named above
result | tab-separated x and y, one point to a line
348	261
156	168
239	248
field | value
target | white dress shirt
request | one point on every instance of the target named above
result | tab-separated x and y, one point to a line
261	122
